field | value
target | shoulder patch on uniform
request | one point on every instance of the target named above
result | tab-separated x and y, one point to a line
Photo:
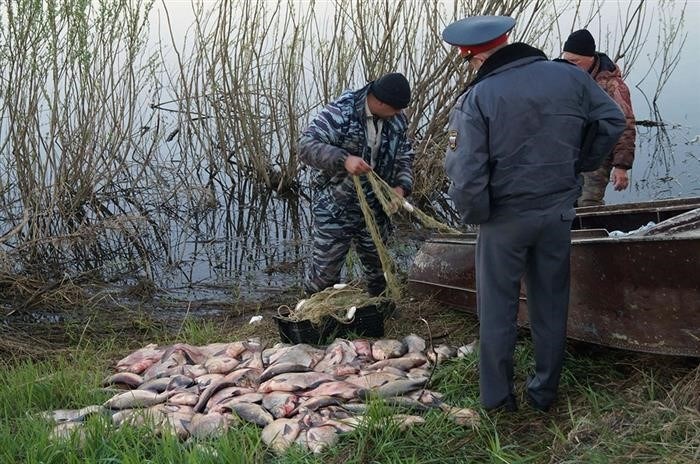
452	139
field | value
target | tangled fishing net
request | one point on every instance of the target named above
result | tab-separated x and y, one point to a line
341	300
391	203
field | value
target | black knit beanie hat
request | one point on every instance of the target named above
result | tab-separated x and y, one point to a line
580	42
392	89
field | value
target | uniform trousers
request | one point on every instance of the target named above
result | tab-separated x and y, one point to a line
538	248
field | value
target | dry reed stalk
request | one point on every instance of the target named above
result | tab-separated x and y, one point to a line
80	147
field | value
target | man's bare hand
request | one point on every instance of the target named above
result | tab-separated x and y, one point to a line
396	203
356	165
619	179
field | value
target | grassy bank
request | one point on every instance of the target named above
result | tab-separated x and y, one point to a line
615	406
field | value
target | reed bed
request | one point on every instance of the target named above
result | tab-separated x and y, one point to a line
132	147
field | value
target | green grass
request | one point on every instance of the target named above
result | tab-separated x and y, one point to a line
614	407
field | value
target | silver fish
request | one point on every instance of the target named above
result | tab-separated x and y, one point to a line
272	351
418	373
428	398
462	416
210	390
141	359
179	382
71	415
414	343
126	379
356	408
253	397
140	416
295	381
207	425
303	354
250	412
372	379
363	348
158	385
137	399
220	364
405	421
235	349
184	398
282	368
337	388
441	353
393	388
403	363
406	403
384	349
280	434
314	403
346	425
225	394
320	438
215	349
280	404
176	423
194	371
245	377
187	354
207	379
394	370
66	430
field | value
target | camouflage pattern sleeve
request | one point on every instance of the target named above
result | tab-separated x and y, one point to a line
319	143
611	124
404	167
623	152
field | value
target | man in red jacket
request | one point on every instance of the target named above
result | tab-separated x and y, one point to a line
579	49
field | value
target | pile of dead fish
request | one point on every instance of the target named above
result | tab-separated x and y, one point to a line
298	394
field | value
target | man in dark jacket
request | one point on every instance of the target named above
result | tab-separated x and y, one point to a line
360	131
514	157
579	49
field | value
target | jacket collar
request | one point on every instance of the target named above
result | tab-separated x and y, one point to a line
602	63
505	57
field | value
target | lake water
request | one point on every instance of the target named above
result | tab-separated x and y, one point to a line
667	161
256	242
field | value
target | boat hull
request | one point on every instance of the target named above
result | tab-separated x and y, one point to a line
639	293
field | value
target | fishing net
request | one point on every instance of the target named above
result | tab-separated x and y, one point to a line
391	203
336	302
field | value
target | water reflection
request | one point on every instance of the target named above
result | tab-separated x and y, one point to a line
189	176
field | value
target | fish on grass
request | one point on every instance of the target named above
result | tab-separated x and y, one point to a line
297	394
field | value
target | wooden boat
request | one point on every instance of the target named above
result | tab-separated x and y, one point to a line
636	289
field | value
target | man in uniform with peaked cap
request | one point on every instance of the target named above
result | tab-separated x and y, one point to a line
514	158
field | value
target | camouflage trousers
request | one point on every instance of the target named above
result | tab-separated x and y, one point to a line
333	235
594	185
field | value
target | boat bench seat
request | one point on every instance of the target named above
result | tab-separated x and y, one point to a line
589	233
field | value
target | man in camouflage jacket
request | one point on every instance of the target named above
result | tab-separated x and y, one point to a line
579	49
361	130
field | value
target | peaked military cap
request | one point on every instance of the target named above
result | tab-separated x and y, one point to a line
478	31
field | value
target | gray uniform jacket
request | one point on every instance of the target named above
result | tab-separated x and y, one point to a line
515	136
